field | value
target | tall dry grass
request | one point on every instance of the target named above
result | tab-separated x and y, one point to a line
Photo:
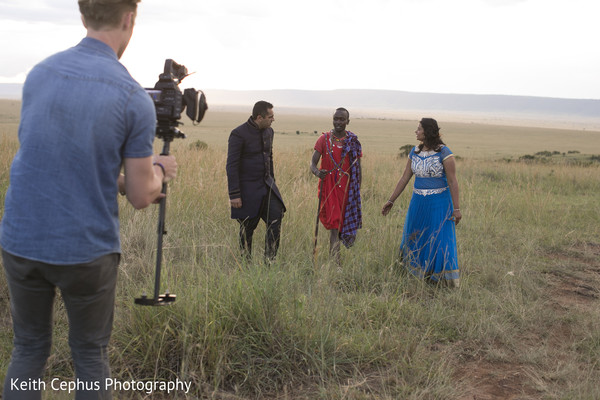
289	330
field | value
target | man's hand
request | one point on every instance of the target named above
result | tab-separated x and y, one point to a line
321	173
236	203
169	166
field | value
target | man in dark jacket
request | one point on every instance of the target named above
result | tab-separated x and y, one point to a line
253	194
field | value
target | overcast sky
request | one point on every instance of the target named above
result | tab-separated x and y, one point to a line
516	47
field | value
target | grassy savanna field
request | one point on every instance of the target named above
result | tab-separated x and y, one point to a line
524	324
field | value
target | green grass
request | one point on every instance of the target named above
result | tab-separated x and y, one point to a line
288	330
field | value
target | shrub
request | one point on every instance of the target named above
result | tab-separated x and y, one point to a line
404	151
199	145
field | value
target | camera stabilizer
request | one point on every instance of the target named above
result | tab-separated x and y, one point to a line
170	103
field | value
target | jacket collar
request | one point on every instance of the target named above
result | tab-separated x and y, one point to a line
254	125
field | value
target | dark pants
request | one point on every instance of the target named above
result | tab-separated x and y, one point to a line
88	291
271	211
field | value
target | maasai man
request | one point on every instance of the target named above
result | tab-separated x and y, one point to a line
339	190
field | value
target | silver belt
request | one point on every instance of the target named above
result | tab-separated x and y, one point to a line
427	192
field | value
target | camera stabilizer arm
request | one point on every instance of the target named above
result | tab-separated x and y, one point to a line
166	298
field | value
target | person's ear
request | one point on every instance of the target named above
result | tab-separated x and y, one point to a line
83	21
128	20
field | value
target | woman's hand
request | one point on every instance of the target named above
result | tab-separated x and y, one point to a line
456	216
386	208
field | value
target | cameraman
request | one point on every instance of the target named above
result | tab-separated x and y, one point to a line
83	117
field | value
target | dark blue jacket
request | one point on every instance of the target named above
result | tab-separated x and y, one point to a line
250	168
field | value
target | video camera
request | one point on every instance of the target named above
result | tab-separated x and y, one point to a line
170	102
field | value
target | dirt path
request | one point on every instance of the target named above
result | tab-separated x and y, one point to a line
573	285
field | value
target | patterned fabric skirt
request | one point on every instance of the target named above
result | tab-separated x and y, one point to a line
428	246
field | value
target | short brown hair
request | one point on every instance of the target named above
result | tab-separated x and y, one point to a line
102	13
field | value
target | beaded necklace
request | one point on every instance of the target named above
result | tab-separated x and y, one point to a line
338	141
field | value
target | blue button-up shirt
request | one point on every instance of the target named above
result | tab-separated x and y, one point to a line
82	114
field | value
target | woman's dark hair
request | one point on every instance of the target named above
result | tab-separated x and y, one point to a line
432	139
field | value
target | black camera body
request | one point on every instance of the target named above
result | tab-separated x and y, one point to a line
170	102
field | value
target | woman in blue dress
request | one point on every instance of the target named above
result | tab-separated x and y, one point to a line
428	247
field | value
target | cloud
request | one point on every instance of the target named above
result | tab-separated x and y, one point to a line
503	2
56	11
462	46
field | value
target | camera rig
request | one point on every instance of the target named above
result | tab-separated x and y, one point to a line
170	102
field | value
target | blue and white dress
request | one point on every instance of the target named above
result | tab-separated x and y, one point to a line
428	246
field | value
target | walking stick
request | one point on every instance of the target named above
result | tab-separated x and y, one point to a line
317	223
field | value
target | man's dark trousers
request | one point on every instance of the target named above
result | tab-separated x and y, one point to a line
271	211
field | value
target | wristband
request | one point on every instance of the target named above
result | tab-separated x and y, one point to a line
162	168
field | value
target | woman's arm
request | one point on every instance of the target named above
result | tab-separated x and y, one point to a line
450	167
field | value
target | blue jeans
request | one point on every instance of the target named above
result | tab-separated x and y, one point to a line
88	291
